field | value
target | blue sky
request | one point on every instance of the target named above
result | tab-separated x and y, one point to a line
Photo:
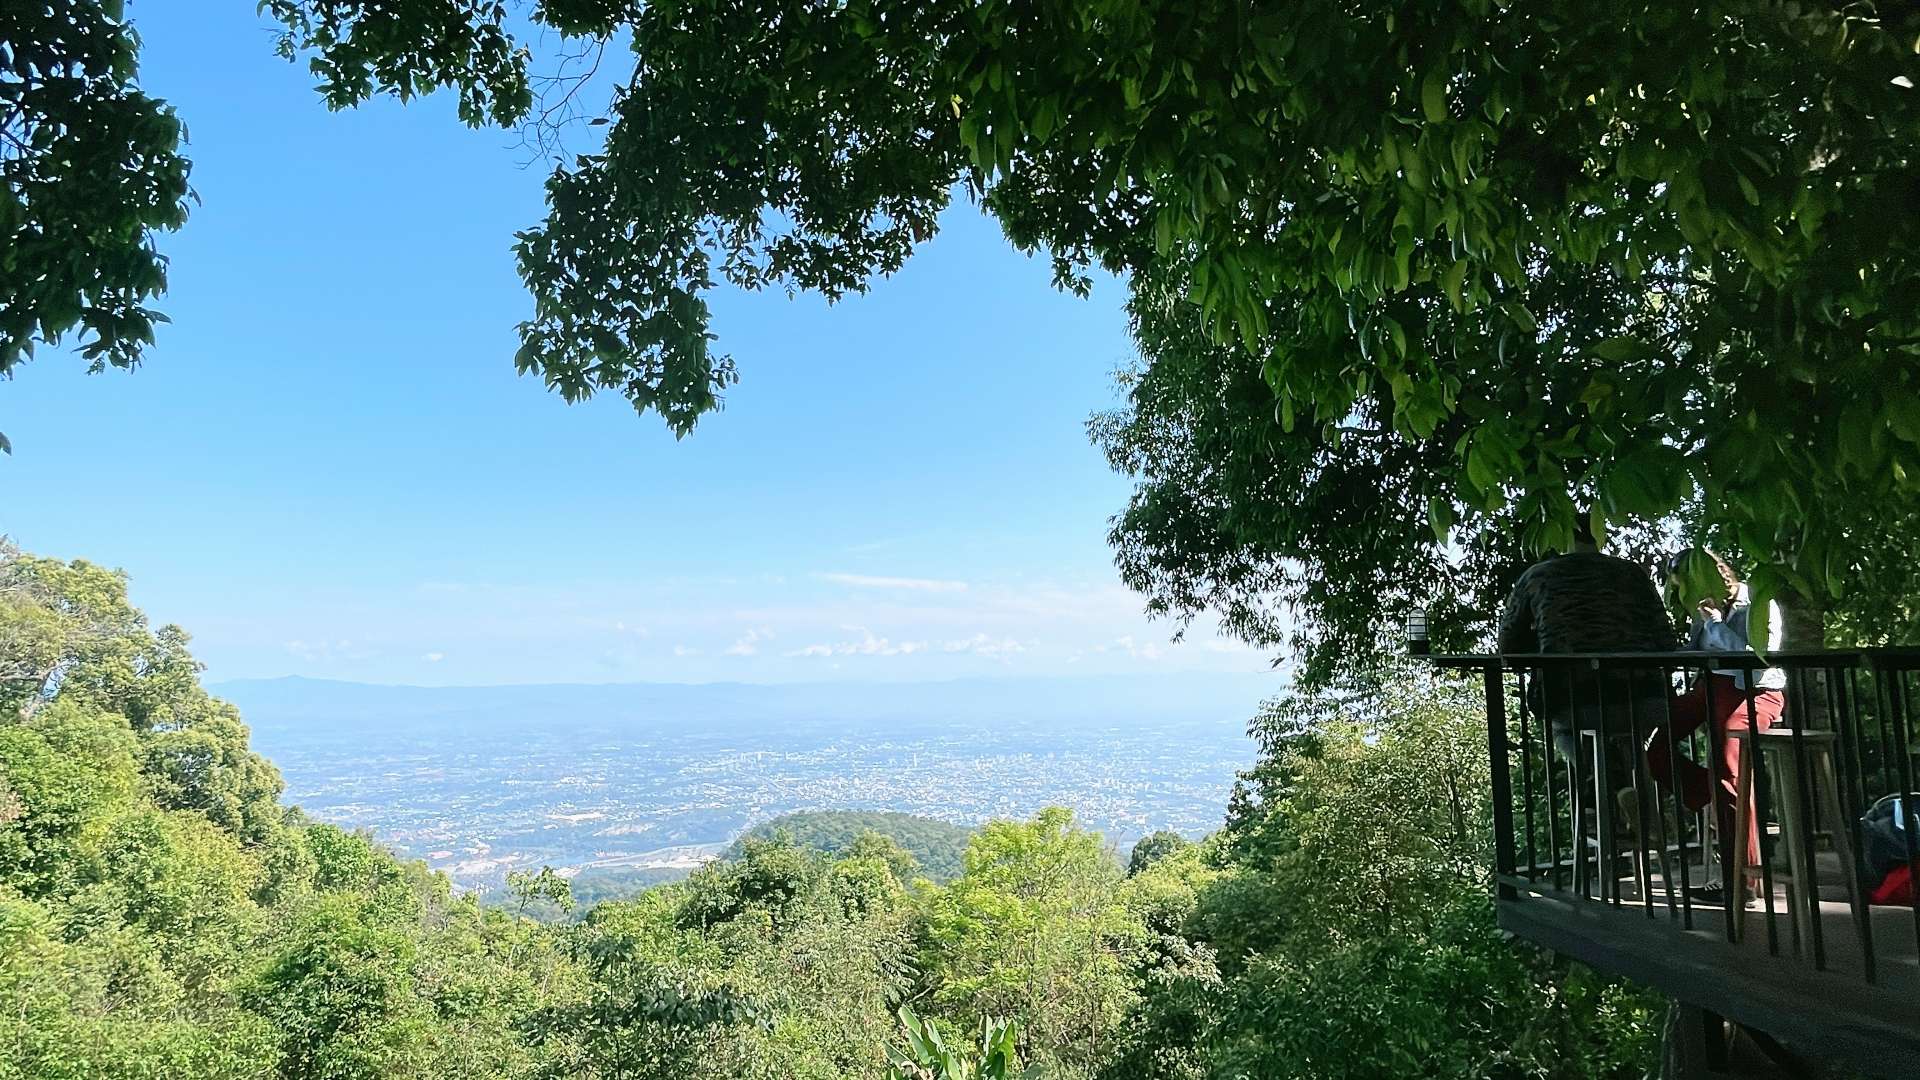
327	466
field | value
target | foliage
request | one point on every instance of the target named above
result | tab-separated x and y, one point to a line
927	1056
161	914
1636	257
1441	272
1349	931
1408	285
90	171
1311	539
782	963
585	890
1036	930
934	846
1155	847
545	887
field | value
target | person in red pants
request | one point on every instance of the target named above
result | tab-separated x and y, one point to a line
1733	699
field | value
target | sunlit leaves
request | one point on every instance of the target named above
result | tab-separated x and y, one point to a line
90	172
358	48
1652	252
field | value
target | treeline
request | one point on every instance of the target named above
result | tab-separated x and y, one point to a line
937	847
920	847
163	914
584	891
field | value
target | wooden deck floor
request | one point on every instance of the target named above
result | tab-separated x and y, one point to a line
1826	1015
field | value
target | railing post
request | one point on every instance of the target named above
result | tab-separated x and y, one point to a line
1894	678
1498	755
1853	801
1531	855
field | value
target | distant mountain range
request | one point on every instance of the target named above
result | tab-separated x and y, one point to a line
1183	697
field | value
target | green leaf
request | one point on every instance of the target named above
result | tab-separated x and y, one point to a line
1450	282
1903	415
1440	516
1618	350
1521	317
1857	446
1396	335
1481	467
1433	96
1761	593
1647	483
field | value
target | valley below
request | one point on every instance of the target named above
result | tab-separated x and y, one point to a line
655	779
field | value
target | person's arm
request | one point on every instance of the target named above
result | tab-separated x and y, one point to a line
1697	633
1730	629
1720	636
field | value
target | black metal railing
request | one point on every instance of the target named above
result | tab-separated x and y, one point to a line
1580	814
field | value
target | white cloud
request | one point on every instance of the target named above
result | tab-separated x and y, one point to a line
984	645
868	645
868	581
1230	645
342	649
749	643
684	650
1125	643
434	657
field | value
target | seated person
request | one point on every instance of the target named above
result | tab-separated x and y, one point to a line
1722	623
1584	602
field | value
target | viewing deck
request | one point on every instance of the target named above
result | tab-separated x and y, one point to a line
1826	973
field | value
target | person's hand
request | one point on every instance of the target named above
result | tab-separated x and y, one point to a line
1711	610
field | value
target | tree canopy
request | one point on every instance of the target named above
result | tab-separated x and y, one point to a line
1492	271
931	847
90	171
1457	267
162	913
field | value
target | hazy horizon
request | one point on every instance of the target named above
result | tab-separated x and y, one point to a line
478	780
1273	673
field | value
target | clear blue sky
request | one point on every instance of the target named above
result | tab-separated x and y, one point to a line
327	466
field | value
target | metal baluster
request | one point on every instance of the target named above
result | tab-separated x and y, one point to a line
1853	801
1553	806
1641	803
1762	805
1716	741
1576	788
1898	715
1526	775
1679	810
1502	784
1603	793
1807	874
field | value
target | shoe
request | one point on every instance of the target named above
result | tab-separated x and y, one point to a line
1716	894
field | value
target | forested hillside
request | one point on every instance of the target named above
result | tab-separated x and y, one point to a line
163	914
936	846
